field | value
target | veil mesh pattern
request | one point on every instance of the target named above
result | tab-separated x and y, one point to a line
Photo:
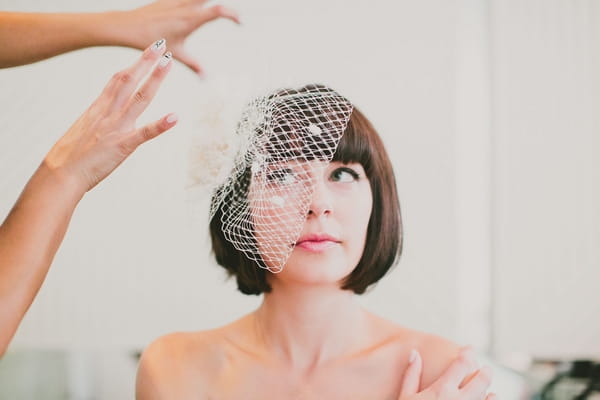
287	138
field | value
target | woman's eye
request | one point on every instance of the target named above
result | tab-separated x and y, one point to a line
284	176
344	175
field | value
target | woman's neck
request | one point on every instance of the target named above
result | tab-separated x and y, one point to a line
306	326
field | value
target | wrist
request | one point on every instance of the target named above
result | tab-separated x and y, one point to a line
67	185
120	28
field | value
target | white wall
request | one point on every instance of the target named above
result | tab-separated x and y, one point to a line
547	177
135	262
488	111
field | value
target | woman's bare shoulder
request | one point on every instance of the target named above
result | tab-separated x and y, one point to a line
183	364
181	347
168	362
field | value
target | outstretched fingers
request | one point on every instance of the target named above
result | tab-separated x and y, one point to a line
142	97
215	12
124	82
188	60
147	132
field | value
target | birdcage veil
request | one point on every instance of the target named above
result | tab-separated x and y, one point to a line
284	140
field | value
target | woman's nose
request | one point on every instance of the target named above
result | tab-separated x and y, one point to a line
321	202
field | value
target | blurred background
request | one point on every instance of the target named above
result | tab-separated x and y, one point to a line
489	112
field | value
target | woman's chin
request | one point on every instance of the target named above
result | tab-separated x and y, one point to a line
315	269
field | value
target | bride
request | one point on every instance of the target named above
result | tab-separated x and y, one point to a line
308	218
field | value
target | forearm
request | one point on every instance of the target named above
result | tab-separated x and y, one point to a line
29	37
29	238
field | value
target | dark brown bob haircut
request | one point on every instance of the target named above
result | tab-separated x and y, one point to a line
361	144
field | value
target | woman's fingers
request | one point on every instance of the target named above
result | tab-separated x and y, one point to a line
203	16
455	374
477	386
175	20
468	379
412	376
147	132
473	385
187	60
131	77
106	133
124	82
214	12
138	102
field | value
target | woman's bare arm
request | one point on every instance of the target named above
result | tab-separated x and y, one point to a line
29	239
31	37
91	149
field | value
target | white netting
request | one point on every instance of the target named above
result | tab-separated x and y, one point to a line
285	141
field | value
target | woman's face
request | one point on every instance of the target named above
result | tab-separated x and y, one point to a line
316	213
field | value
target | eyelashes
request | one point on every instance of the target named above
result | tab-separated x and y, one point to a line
288	176
345	175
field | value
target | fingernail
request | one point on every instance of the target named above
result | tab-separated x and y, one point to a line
172	118
159	45
165	59
413	356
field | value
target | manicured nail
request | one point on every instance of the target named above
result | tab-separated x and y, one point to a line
159	45
413	356
165	59
172	118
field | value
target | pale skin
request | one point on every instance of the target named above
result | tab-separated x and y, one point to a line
97	143
99	140
309	339
31	37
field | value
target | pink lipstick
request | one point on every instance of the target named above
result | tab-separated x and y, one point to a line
317	242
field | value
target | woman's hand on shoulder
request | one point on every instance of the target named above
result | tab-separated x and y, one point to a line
460	381
106	133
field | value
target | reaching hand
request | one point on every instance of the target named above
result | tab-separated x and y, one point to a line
106	134
175	20
456	383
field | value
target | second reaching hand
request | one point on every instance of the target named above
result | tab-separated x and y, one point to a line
32	37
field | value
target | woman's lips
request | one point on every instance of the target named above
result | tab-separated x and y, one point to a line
316	243
316	246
